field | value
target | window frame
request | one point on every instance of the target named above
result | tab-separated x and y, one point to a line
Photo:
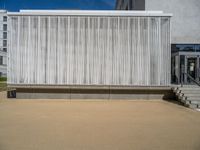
183	47
5	18
1	60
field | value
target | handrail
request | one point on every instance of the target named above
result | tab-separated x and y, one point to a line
191	78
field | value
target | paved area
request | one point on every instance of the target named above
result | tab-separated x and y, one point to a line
97	125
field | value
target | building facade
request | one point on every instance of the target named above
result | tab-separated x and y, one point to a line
185	33
130	5
3	43
89	48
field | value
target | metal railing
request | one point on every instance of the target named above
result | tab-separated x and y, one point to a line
190	77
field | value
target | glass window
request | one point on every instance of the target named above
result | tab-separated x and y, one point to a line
173	48
4	43
5	27
173	78
4	35
4	18
185	47
5	49
182	64
1	60
197	47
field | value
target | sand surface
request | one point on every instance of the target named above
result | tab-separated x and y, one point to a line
97	125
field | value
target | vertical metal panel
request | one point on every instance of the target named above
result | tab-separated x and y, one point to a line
89	50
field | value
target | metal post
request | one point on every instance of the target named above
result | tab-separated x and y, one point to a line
198	69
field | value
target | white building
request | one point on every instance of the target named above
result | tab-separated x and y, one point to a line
3	43
185	37
89	48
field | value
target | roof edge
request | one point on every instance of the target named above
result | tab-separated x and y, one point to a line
90	13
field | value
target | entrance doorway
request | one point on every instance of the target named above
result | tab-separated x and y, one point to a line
192	68
185	59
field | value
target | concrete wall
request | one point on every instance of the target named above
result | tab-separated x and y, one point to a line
185	20
119	93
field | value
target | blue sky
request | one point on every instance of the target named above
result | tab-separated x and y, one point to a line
15	5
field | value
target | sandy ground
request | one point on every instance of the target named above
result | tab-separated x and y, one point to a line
97	125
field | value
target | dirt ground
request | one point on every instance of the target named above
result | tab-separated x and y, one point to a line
97	125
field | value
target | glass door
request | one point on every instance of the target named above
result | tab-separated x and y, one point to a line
192	68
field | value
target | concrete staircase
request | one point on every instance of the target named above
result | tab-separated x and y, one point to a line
188	95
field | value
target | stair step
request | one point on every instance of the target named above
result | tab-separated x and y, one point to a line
188	95
190	92
179	94
193	98
189	98
182	97
189	89
186	102
195	102
190	104
194	106
176	90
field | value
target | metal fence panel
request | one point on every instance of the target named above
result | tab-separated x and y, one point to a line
89	50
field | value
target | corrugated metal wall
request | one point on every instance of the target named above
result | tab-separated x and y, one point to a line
73	50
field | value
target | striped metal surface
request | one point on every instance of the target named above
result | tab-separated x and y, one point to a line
89	50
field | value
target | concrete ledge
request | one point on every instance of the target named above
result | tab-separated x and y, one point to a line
46	86
94	93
